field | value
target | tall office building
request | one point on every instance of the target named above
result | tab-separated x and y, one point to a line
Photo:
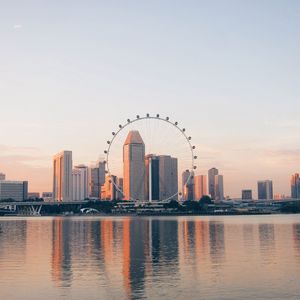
85	179
188	185
168	177
219	187
134	166
96	179
15	190
200	186
62	176
119	192
164	177
295	186
246	194
2	176
265	190
78	185
108	190
152	177
211	182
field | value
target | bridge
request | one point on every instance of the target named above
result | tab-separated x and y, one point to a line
33	208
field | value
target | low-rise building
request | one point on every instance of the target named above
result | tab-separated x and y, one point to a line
13	190
33	195
47	196
246	194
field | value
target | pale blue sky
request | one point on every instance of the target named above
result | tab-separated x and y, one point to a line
228	70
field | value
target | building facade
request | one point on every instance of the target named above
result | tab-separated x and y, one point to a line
246	194
152	177
47	196
96	179
134	167
78	185
265	190
212	173
62	176
119	192
164	177
84	181
219	187
33	195
168	177
2	176
295	186
108	190
188	185
13	190
200	186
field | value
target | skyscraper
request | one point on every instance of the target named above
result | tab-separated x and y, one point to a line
134	166
295	186
108	190
168	177
188	185
96	179
84	181
200	186
2	176
164	177
62	176
219	187
211	182
78	185
265	189
119	192
152	177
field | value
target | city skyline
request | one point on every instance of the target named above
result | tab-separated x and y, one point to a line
230	78
237	194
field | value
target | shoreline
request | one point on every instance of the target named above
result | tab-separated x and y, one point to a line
148	215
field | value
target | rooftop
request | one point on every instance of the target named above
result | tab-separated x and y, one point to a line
133	137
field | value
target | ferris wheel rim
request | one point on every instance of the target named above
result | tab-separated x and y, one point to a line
158	118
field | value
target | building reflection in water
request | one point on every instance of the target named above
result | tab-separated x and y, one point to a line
13	238
296	236
266	234
216	243
164	237
131	258
201	240
248	235
129	250
138	245
61	251
130	255
138	249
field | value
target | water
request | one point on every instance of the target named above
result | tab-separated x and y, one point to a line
231	257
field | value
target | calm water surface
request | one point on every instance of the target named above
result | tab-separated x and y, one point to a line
232	257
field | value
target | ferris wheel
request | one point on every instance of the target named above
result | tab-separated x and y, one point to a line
150	158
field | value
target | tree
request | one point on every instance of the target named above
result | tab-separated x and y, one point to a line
191	205
172	204
205	200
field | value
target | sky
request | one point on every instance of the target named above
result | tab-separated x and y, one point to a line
71	71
